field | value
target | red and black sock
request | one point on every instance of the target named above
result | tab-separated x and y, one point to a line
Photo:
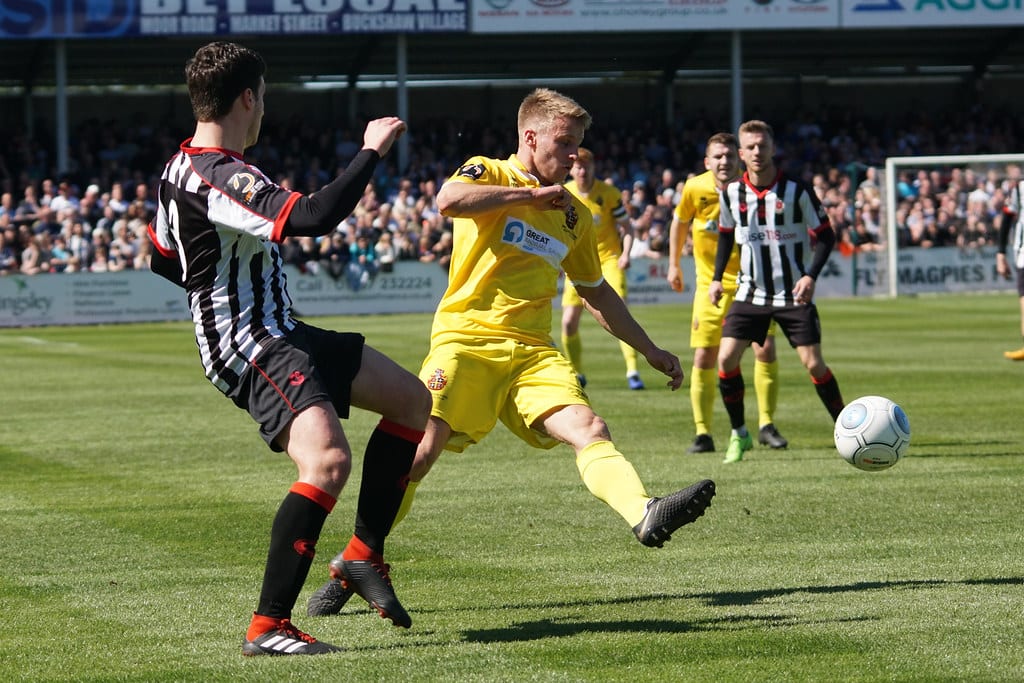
293	540
386	464
828	391
732	387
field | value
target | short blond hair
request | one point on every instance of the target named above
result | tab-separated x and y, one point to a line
543	105
757	126
585	156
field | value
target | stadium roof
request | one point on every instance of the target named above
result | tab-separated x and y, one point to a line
835	54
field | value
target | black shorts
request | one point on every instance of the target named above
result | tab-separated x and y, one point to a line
800	324
1020	282
308	366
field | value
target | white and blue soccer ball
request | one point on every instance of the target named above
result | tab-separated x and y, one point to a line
872	433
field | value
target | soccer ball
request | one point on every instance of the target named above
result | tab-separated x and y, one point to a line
872	433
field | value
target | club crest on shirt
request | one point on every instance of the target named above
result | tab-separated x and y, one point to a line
473	171
437	380
571	219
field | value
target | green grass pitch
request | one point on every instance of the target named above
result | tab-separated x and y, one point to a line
136	504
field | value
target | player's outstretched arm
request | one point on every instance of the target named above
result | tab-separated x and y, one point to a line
466	200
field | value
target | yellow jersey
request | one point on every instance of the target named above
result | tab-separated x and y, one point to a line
605	204
505	263
699	204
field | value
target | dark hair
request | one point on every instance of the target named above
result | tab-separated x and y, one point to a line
217	74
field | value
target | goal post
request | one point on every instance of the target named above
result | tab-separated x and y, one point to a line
981	164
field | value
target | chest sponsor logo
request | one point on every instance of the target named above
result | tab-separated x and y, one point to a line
527	238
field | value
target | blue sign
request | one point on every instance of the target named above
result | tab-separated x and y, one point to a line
134	18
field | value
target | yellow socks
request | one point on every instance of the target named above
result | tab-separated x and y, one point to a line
766	386
403	509
629	355
611	478
703	391
573	346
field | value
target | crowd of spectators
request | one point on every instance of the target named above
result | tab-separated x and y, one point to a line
94	216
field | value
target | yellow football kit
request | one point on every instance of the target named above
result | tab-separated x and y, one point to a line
699	204
492	356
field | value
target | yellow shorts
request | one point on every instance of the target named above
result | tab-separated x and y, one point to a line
476	383
615	276
706	322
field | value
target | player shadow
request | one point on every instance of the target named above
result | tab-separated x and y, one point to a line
568	626
747	598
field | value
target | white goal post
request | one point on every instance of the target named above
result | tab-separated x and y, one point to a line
893	167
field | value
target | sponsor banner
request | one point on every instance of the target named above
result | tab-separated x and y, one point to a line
123	18
533	16
918	271
140	296
930	13
134	296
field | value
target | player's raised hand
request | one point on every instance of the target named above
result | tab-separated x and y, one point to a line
381	133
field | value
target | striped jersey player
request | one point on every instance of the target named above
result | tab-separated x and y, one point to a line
1013	223
217	233
785	240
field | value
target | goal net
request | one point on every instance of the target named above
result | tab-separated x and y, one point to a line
941	222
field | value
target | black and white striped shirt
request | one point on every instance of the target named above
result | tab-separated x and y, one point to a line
222	219
1016	241
773	227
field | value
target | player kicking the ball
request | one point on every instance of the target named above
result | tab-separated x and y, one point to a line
492	356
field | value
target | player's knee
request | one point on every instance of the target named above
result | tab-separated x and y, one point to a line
598	430
816	367
420	403
333	469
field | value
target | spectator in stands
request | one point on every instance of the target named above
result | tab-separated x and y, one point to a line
46	221
7	208
89	207
385	253
61	260
28	207
335	255
123	246
8	255
35	253
117	201
362	263
66	198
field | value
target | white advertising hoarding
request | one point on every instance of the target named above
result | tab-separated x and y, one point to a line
133	296
573	16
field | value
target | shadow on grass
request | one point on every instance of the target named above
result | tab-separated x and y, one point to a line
732	599
560	628
548	628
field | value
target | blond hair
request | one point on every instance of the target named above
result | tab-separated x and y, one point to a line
756	126
543	105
